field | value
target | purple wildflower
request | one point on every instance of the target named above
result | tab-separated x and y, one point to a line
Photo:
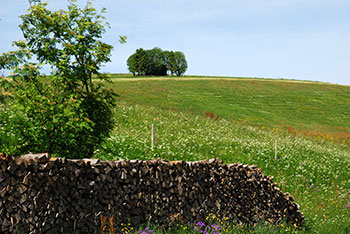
200	224
347	206
215	227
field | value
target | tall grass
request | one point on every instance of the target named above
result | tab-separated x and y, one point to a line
313	171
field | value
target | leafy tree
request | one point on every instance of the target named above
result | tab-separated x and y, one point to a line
171	63
137	62
155	62
180	64
65	113
131	62
166	56
141	61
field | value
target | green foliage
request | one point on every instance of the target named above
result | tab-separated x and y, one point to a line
9	122
9	61
123	39
156	62
65	112
131	63
177	63
141	61
137	62
181	63
5	84
171	62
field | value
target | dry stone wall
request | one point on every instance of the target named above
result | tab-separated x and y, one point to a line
39	194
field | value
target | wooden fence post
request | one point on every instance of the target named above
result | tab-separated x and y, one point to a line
276	149
152	137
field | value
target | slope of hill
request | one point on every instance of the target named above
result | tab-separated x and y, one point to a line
239	120
299	107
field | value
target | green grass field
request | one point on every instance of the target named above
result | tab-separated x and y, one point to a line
315	109
309	120
239	120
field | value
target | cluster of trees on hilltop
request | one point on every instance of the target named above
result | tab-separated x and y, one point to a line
156	62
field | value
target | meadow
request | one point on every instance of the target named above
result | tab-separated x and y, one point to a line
239	121
307	108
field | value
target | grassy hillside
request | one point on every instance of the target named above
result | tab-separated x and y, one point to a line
306	108
239	120
252	114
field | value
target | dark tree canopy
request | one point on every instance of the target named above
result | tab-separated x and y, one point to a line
156	62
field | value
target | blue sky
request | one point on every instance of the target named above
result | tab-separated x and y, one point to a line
294	39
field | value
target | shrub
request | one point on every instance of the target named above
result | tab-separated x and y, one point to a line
64	113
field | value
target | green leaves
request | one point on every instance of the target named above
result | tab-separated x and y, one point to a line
65	113
157	62
180	63
122	39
